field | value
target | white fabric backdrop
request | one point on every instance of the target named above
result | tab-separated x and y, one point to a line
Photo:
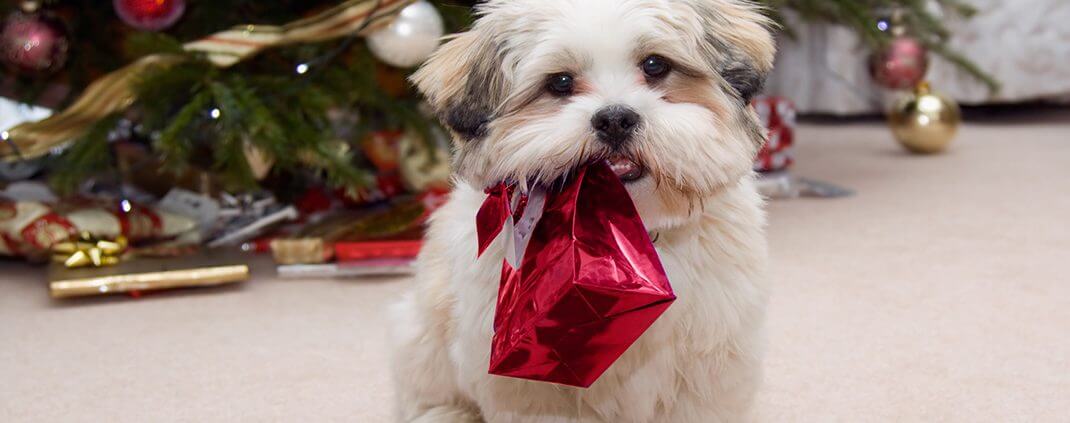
1024	43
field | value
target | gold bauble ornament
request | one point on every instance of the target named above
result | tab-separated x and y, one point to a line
925	122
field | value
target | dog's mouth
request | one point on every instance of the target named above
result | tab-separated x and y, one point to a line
627	168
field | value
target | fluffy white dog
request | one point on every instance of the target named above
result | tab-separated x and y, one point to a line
660	88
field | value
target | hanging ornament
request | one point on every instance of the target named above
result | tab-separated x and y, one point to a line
150	15
925	122
33	42
411	38
901	64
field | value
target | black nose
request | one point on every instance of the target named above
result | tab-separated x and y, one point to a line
615	125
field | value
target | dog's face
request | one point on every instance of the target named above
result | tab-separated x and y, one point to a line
660	88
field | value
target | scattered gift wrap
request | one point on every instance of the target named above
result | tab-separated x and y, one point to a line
393	230
245	216
374	250
581	280
28	227
778	117
774	161
31	228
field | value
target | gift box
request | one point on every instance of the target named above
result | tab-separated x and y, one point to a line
390	230
138	275
371	250
30	228
581	280
778	117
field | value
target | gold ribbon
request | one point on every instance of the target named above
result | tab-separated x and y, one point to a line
85	250
114	91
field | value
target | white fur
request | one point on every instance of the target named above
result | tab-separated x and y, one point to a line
700	362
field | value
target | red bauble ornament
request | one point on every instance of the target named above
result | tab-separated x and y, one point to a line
150	15
900	65
33	43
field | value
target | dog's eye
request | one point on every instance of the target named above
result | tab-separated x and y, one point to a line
656	67
561	84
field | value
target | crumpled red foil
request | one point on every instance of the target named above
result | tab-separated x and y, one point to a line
589	282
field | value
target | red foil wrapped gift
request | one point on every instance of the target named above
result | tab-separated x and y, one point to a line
581	283
778	117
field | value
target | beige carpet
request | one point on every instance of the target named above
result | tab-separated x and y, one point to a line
938	293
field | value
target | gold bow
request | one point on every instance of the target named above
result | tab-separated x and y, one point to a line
85	250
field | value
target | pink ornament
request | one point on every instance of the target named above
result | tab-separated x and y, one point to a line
33	43
900	65
150	15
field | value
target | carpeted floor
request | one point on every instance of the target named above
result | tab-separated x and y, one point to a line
935	294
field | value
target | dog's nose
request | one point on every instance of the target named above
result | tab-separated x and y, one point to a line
615	125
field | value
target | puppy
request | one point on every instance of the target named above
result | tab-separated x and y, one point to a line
660	88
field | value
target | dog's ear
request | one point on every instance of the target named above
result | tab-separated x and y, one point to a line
738	43
463	81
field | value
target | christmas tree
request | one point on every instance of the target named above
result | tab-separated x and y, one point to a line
299	107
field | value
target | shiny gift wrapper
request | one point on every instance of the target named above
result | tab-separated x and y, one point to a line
206	269
588	285
778	117
28	227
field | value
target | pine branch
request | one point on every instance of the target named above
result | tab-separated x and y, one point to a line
84	158
173	143
142	44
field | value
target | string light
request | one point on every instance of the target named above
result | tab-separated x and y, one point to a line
215	113
4	135
302	69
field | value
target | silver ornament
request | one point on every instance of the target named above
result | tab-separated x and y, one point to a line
411	38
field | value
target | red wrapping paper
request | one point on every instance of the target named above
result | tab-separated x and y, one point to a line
369	250
588	285
778	117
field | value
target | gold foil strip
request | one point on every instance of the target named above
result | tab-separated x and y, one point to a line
151	281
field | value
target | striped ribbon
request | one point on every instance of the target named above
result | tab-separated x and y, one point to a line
114	91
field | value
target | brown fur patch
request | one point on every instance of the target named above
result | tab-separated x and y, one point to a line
697	90
536	109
